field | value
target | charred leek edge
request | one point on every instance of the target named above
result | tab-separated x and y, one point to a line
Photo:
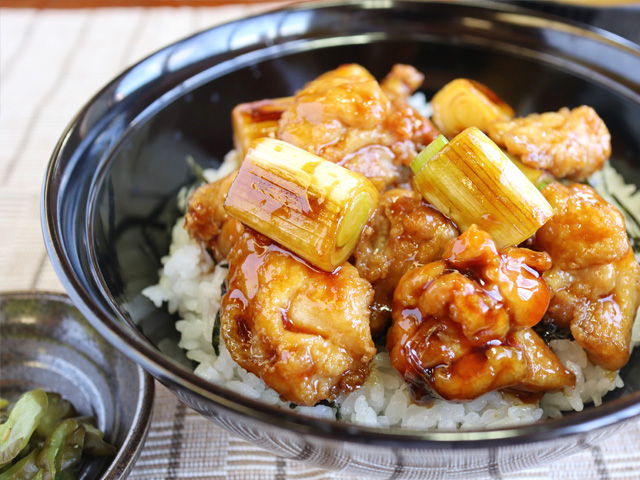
311	206
254	120
464	103
472	181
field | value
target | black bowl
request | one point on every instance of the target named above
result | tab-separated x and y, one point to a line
110	192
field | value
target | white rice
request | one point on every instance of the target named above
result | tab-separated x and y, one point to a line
190	284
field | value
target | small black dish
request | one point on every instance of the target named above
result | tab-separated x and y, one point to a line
46	343
109	197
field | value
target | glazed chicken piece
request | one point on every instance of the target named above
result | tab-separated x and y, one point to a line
569	144
303	331
462	325
403	233
595	279
207	220
345	116
401	82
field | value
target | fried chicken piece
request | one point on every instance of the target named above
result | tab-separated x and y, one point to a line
403	233
569	143
303	331
595	278
206	219
462	325
376	162
345	116
401	82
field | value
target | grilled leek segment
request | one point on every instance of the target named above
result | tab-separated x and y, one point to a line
540	178
473	182
311	206
256	120
464	103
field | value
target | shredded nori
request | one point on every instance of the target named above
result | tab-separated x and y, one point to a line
549	331
215	335
211	255
380	341
634	241
197	169
628	212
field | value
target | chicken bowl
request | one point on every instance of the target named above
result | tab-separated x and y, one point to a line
227	302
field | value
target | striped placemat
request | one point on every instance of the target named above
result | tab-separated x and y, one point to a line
51	63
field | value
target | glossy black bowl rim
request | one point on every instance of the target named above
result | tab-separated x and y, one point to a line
117	331
127	454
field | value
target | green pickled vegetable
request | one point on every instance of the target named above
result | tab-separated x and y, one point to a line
94	443
58	409
71	447
22	422
68	434
23	469
69	474
42	439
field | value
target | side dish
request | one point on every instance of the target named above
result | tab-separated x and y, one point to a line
42	437
356	261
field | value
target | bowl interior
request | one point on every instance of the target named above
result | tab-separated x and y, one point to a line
46	343
136	162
